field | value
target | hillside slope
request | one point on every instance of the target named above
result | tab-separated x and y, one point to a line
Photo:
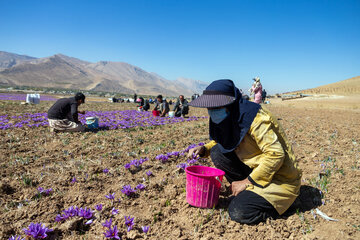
349	86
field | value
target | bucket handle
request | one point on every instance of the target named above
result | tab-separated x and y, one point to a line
222	185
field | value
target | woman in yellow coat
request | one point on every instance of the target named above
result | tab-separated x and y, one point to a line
249	145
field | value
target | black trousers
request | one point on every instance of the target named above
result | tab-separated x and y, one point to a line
247	207
181	111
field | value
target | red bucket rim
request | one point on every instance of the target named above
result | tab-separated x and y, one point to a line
219	172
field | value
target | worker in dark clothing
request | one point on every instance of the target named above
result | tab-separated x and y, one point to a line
263	95
181	107
63	115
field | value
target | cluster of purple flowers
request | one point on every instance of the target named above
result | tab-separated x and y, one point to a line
27	119
136	163
44	191
74	211
165	157
128	190
37	231
107	119
192	160
111	233
22	97
16	237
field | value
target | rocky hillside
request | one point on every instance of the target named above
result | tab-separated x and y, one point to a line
62	71
7	60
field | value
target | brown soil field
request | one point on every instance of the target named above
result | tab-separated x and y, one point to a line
324	134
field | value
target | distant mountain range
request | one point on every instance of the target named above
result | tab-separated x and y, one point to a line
60	71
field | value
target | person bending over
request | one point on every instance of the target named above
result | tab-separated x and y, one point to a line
249	145
162	106
63	115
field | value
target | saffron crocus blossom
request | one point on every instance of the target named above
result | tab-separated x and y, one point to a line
85	213
114	211
16	237
127	190
145	229
129	222
140	187
107	223
127	166
99	207
106	171
73	180
44	191
112	233
182	165
149	173
37	231
110	196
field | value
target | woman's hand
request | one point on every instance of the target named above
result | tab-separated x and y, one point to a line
199	150
239	186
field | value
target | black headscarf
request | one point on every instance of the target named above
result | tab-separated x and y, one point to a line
231	131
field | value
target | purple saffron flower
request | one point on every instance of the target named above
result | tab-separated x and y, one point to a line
127	190
114	211
37	231
110	196
85	213
149	173
48	191
40	189
107	223
106	171
71	211
129	222
182	165
127	166
140	187
145	229
99	207
16	237
112	233
73	180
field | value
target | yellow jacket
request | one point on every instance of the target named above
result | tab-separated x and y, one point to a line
265	149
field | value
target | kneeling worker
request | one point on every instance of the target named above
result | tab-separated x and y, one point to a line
63	115
181	107
249	145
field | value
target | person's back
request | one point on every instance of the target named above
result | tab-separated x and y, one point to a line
146	105
62	109
63	115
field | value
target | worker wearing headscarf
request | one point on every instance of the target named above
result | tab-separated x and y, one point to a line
249	145
256	89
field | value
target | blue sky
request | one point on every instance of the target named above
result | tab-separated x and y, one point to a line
291	45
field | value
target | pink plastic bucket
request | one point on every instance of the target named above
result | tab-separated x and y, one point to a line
203	186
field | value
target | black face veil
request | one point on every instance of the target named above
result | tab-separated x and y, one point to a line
231	131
